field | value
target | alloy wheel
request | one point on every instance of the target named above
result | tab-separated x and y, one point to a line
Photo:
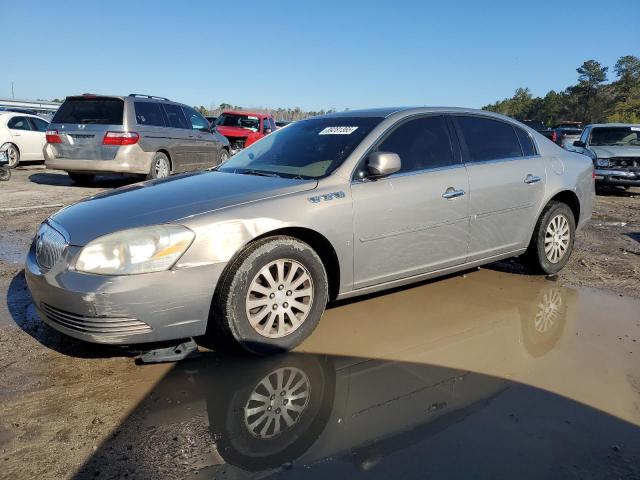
279	298
556	238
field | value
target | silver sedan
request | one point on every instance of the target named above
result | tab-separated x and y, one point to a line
327	208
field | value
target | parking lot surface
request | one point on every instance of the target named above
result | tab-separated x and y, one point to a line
490	373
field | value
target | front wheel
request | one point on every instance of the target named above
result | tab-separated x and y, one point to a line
552	241
272	296
14	156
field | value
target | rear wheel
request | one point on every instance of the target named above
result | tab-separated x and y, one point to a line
81	178
14	156
552	241
224	156
272	296
160	166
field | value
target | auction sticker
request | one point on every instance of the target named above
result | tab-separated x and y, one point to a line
635	129
338	131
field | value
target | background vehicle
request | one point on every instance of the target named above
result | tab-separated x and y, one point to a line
565	136
281	124
614	149
260	244
23	135
244	128
568	125
137	134
539	127
211	120
5	171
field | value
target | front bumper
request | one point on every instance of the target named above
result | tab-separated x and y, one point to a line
122	310
128	159
617	177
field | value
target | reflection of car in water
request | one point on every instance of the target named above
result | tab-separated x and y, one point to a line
315	408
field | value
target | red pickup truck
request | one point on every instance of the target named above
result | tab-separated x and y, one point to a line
243	128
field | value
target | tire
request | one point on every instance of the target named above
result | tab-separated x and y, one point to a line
81	178
14	156
160	166
260	275
560	245
224	156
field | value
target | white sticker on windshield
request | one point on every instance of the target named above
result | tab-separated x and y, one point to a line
338	131
635	129
252	118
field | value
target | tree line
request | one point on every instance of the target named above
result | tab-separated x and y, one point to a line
591	100
280	114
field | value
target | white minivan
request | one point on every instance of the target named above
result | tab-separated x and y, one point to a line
23	135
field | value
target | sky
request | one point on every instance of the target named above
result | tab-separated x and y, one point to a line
310	54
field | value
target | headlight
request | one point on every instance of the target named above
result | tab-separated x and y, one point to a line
602	162
139	250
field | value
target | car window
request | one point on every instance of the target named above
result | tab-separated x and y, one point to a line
90	110
250	122
149	113
525	142
615	136
175	116
19	123
421	144
272	123
584	138
198	122
39	124
488	139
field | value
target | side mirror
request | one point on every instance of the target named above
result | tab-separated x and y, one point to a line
579	143
382	164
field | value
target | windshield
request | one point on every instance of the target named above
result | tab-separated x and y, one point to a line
308	149
624	136
250	122
90	110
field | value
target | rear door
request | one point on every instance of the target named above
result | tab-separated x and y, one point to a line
208	144
507	182
184	147
25	137
404	224
82	122
39	125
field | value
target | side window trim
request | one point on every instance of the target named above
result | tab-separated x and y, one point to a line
536	150
393	128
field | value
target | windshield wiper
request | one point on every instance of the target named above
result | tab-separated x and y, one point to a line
260	173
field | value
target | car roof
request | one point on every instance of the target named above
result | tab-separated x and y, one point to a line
404	111
246	112
20	114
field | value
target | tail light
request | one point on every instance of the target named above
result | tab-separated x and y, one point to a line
554	137
53	137
120	138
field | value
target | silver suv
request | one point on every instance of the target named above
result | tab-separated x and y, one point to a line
137	134
326	208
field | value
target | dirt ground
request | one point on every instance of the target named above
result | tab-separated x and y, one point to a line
69	409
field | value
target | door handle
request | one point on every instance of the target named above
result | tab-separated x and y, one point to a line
452	193
531	179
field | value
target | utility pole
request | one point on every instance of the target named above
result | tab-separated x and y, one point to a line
13	97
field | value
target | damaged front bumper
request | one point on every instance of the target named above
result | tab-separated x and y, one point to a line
620	177
122	310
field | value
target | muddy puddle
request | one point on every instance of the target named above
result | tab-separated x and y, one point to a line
488	375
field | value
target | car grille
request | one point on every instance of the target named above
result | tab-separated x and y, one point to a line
625	161
50	245
107	326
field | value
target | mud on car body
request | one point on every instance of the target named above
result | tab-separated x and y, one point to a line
327	208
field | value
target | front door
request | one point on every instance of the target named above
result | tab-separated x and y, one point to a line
29	141
416	220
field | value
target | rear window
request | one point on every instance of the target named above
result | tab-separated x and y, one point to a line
175	116
488	139
148	113
90	110
525	142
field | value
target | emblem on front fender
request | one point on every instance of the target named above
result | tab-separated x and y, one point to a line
326	197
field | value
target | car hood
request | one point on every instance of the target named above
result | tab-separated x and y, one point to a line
234	131
168	200
615	151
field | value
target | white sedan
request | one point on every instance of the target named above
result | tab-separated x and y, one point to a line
23	135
